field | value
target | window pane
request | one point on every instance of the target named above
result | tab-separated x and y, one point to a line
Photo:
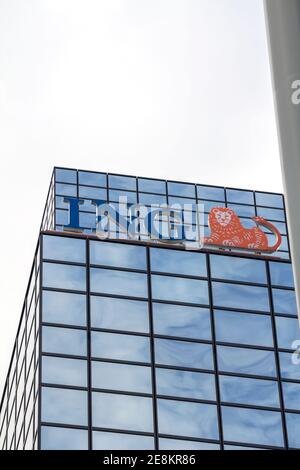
238	269
183	354
185	384
236	296
66	189
119	314
287	332
118	255
208	192
187	419
59	307
93	193
66	176
87	220
249	391
64	341
62	218
62	276
178	262
116	195
64	249
115	441
178	444
284	301
121	377
122	412
122	182
63	438
179	289
252	426
182	200
108	281
293	428
64	406
61	371
152	199
122	347
282	274
243	328
242	211
92	179
269	200
181	189
242	197
246	361
289	369
291	393
271	214
209	205
152	186
187	322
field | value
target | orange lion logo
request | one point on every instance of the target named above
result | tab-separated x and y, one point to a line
228	231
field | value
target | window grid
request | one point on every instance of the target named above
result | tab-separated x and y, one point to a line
152	335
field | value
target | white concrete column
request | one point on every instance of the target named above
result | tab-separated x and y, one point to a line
283	27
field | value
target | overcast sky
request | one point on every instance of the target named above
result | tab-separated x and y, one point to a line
176	89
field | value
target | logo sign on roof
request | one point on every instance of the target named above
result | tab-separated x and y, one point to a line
176	224
227	231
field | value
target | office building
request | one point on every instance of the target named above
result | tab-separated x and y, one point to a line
133	343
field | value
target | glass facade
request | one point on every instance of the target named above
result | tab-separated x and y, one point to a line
124	345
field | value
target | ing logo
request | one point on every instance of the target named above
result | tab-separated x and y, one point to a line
228	231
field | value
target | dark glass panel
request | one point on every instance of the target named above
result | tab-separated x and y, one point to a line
185	384
64	406
64	249
269	200
252	426
129	378
62	371
183	354
152	186
237	296
249	391
118	255
175	320
282	274
54	438
246	361
122	347
243	328
63	276
116	441
66	176
119	314
284	301
179	289
238	269
60	307
92	179
187	419
181	189
239	196
64	341
122	182
178	262
122	412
